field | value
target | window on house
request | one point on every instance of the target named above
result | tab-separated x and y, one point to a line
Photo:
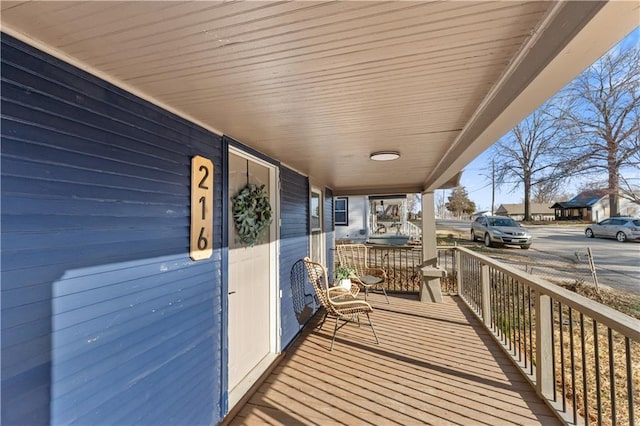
341	211
315	211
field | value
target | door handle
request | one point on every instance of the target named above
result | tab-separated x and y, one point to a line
232	292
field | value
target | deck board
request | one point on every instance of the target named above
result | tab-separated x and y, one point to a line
435	364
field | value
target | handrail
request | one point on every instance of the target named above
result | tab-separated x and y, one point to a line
602	313
545	328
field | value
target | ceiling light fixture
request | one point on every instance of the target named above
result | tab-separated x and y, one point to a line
384	155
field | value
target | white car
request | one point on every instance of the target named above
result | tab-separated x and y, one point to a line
500	230
621	228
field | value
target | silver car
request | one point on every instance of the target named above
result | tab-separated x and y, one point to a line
621	228
500	230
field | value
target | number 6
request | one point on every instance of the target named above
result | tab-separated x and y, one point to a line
202	240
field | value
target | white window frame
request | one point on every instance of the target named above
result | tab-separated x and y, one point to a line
346	211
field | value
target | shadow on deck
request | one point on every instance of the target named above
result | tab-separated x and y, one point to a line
435	364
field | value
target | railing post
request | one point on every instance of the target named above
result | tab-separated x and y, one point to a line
458	271
486	302
544	348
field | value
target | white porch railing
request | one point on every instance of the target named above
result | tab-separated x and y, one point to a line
413	231
582	357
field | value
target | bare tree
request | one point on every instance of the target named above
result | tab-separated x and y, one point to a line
414	204
440	204
602	111
549	191
530	154
629	191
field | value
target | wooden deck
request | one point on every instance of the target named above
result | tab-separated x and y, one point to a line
434	365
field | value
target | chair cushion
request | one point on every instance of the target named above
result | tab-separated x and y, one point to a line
370	279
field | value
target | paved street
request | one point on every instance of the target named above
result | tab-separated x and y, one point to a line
617	264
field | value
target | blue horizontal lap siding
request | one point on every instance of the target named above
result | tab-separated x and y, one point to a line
105	318
294	243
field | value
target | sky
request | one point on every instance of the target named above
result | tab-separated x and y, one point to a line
478	185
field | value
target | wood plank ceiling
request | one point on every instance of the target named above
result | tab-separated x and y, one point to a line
316	85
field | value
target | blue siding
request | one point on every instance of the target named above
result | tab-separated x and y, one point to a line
105	319
294	244
329	227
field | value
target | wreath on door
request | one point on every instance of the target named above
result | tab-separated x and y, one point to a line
251	213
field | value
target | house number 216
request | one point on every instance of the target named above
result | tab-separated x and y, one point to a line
201	208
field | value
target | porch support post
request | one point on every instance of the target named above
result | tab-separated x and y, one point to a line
486	296
544	349
428	226
430	288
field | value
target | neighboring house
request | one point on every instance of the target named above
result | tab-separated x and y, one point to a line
592	205
353	224
629	208
380	219
538	211
478	214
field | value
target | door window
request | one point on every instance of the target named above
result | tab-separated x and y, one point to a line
315	212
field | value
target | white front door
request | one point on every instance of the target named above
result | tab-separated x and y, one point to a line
252	275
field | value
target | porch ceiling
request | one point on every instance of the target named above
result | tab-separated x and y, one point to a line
321	85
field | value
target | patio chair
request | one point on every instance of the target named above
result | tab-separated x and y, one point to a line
355	256
338	303
304	299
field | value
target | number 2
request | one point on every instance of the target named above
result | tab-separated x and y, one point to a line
202	185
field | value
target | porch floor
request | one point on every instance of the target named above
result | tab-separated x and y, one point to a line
435	364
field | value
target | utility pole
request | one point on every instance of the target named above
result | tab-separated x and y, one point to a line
493	184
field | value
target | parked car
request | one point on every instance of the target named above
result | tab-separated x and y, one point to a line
500	230
621	228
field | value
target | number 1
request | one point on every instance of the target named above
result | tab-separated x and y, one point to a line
202	201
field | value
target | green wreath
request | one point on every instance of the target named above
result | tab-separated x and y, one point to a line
251	213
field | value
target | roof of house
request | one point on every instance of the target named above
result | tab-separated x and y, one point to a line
534	208
584	199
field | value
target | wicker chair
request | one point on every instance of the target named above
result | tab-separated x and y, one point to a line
356	256
338	303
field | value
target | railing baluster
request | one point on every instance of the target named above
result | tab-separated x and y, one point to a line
553	351
573	368
507	307
519	330
612	377
458	270
597	363
584	371
524	328
530	331
503	311
394	263
630	394
562	366
512	317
